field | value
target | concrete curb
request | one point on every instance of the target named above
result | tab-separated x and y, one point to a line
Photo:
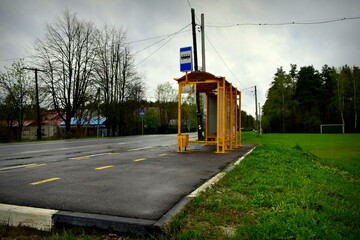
37	218
46	219
118	224
166	218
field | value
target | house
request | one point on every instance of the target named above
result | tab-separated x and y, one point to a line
49	126
91	125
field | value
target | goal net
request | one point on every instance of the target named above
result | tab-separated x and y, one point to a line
332	128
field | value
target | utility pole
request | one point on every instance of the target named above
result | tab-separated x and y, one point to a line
198	106
203	43
256	113
196	68
38	131
260	117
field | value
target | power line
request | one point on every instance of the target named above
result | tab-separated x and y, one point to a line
153	44
313	22
152	38
162	45
224	61
189	3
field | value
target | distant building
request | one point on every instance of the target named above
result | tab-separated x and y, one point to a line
49	126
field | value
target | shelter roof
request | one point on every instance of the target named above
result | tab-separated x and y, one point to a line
206	82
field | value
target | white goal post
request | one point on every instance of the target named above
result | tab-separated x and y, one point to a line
332	128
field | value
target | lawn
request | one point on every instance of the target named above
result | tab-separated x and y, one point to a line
341	151
293	186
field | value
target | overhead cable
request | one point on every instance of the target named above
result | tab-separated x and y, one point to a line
224	61
286	23
162	45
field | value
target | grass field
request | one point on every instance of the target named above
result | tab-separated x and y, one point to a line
341	151
293	186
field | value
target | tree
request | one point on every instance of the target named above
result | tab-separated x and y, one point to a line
166	99
121	86
67	53
278	107
151	121
309	96
330	107
15	86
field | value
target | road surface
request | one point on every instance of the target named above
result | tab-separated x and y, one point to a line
138	177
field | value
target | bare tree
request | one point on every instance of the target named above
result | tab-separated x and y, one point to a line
67	54
117	77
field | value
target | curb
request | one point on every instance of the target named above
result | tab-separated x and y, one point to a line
38	218
46	219
166	218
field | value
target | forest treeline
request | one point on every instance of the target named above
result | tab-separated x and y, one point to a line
302	99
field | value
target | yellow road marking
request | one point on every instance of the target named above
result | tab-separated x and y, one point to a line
38	165
99	168
140	159
164	154
44	181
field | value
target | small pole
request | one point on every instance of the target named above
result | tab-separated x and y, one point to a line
98	114
260	116
256	113
142	125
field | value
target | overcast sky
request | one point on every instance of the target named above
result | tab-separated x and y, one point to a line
251	52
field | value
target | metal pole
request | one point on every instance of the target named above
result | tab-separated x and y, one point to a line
142	125
203	43
256	114
260	128
98	114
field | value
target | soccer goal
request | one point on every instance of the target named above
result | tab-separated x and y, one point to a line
332	128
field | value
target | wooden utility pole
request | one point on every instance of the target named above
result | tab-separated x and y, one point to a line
38	115
196	68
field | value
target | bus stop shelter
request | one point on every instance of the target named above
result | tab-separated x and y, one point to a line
223	109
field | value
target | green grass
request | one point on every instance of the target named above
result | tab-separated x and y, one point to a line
280	191
340	151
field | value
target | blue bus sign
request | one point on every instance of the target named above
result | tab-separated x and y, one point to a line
185	59
142	113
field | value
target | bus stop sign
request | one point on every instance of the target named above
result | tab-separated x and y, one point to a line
185	59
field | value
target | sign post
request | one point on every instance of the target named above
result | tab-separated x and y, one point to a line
185	59
142	114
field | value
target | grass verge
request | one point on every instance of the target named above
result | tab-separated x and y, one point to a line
277	192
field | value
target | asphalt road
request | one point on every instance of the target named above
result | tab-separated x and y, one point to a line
137	177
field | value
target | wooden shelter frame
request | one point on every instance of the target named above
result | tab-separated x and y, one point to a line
228	111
